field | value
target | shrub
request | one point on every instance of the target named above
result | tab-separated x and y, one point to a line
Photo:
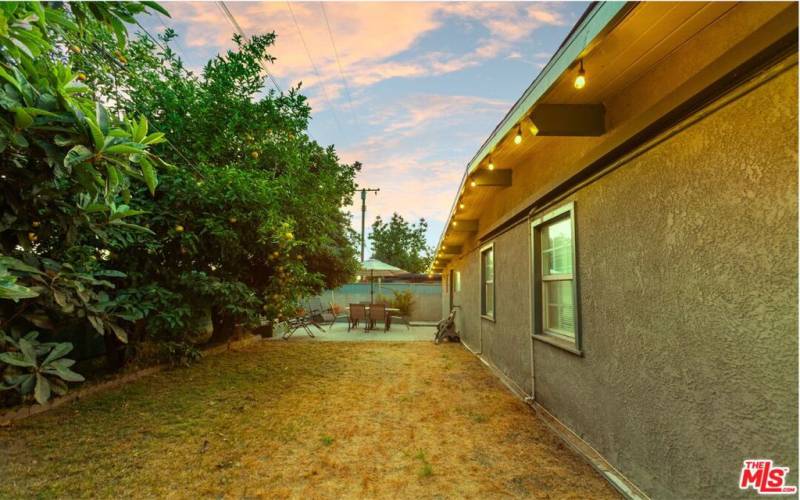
100	230
36	368
68	169
403	300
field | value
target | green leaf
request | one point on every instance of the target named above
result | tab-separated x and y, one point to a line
74	86
22	119
119	332
12	291
97	323
101	115
149	173
154	138
17	265
26	385
119	31
77	155
10	79
124	149
125	213
97	135
17	380
60	140
132	226
141	130
113	177
28	351
19	140
16	359
67	374
111	273
42	391
59	351
155	6
61	369
40	14
65	362
39	112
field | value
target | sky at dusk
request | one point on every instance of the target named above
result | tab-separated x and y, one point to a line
421	84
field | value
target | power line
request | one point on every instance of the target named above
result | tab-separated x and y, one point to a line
238	28
338	62
151	37
314	66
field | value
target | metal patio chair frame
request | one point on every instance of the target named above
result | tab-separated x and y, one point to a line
352	320
375	316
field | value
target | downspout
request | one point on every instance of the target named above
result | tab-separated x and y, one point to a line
532	397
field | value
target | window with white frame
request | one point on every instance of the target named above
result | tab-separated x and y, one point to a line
555	286
487	281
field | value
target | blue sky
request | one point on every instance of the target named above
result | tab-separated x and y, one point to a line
422	84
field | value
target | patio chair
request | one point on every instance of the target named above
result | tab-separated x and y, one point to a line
335	315
315	311
377	312
301	321
358	312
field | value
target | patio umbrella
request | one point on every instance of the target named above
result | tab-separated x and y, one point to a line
378	269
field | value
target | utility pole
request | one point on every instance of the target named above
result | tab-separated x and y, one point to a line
364	192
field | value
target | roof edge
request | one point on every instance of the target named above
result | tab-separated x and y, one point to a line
594	21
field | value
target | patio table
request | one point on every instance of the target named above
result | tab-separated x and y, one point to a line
388	316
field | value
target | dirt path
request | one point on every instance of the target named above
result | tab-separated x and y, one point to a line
310	420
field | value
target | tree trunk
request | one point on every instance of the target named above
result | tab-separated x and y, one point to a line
116	352
265	330
224	327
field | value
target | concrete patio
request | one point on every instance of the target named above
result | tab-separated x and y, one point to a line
416	332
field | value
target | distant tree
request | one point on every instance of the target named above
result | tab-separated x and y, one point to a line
401	243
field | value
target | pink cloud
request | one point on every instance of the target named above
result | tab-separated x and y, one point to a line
367	36
401	159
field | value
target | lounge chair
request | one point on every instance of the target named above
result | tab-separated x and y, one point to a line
335	315
300	321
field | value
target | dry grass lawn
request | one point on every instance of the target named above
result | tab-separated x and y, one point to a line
301	419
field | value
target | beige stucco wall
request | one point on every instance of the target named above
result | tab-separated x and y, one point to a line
505	339
688	276
687	260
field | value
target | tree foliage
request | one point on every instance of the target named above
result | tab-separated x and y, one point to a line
401	243
67	169
256	222
137	196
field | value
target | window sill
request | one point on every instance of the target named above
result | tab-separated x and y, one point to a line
487	318
560	343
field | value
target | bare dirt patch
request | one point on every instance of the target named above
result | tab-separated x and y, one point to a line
300	420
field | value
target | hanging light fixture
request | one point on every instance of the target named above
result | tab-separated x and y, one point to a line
461	206
491	163
518	137
533	129
472	183
580	80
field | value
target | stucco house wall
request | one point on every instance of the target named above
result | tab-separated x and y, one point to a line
687	261
687	267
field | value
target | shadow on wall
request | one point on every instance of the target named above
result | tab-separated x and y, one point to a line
427	297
